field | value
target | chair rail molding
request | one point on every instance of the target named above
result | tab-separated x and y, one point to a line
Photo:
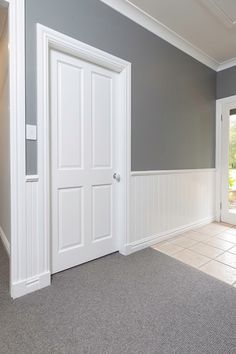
171	172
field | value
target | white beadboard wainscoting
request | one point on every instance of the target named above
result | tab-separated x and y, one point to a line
165	203
162	204
33	273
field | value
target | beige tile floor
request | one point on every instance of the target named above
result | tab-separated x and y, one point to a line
211	249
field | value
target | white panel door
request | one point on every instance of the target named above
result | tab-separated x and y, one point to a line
84	193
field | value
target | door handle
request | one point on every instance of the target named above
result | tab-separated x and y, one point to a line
116	176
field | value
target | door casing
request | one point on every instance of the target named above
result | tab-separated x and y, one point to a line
48	39
16	23
221	105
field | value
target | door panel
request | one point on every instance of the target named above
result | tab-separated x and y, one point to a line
101	120
83	161
70	209
70	115
102	212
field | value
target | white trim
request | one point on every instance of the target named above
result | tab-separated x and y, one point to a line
47	39
29	285
218	158
145	20
227	100
17	138
227	64
170	172
152	240
5	241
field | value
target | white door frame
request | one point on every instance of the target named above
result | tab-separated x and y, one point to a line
16	18
219	112
48	39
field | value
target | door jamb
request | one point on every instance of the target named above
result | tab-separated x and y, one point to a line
50	39
218	159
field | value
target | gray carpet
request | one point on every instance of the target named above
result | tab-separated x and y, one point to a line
144	303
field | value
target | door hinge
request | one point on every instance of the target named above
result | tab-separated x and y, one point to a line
221	117
220	205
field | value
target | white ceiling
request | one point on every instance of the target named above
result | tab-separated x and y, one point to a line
3	15
228	9
208	25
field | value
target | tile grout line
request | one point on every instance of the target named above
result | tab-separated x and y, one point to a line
168	242
200	254
197	253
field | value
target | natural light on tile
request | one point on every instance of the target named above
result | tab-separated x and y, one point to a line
211	249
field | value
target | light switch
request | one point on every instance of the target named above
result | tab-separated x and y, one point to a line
31	132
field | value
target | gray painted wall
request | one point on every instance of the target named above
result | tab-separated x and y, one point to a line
173	95
226	83
5	192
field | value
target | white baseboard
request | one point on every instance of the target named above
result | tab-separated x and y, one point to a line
5	241
28	286
152	240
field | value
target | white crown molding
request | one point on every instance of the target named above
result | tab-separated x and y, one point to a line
145	20
227	64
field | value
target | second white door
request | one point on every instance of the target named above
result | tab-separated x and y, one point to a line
84	161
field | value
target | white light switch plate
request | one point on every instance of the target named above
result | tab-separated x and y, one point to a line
31	132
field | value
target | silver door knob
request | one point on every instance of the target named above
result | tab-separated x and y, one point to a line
116	176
